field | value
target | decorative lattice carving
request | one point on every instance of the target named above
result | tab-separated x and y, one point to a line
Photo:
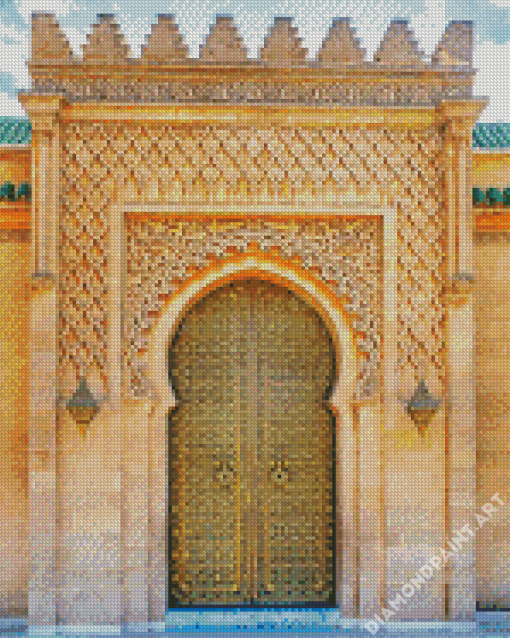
208	165
161	256
345	93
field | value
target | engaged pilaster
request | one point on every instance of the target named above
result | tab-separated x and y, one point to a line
460	444
43	114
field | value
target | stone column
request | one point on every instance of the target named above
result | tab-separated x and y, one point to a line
158	508
371	561
129	418
43	315
460	427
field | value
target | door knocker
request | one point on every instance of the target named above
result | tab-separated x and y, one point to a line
224	472
279	471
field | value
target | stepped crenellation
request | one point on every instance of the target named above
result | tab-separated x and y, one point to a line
223	45
398	47
283	72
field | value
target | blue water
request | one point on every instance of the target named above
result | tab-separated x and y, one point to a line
276	623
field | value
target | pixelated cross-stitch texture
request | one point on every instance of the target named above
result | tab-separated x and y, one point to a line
254	330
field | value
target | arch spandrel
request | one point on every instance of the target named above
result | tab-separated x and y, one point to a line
282	273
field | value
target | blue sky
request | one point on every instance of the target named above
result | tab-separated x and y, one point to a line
428	19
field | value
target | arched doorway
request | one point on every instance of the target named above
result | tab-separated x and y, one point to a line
252	451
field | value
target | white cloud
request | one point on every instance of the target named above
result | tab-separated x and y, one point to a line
10	106
58	7
492	62
13	56
371	23
75	38
370	18
429	26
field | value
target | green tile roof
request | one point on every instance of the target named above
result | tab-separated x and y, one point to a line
491	196
491	136
16	130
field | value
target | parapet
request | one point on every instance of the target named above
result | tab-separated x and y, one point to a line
340	74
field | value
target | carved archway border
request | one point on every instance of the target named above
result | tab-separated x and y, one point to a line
317	294
356	596
283	272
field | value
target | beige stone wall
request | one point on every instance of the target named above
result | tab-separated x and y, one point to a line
492	312
89	520
491	170
104	487
161	163
415	502
205	165
14	557
14	165
492	303
89	471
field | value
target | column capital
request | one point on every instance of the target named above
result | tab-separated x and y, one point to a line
42	109
42	281
374	399
458	290
461	115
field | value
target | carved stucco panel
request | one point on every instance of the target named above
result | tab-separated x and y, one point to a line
161	256
100	160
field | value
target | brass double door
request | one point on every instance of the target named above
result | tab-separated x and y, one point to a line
251	452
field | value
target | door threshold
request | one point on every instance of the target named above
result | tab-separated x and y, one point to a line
252	607
326	618
486	624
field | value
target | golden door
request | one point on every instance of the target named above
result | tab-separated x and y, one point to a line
251	452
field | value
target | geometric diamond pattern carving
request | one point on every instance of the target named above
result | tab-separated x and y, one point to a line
274	166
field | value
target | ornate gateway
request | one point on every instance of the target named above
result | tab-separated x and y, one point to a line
252	451
238	268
